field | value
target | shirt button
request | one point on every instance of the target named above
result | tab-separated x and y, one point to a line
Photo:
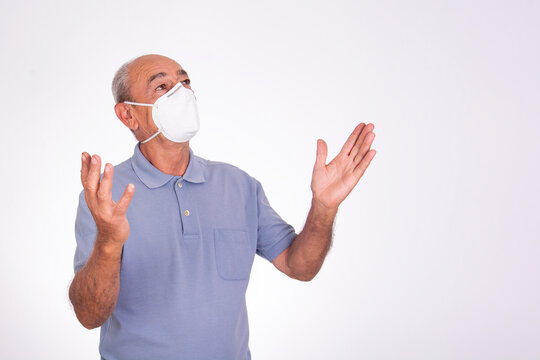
179	184
186	212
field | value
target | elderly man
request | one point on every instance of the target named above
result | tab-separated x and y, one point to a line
165	248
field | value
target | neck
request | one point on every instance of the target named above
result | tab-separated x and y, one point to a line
167	156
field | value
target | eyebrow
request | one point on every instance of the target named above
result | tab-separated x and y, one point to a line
162	74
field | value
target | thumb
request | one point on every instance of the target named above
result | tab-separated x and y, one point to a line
124	201
322	151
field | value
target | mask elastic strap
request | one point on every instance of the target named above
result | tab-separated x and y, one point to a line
151	137
140	104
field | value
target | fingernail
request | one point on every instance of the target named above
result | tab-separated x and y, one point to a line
130	187
94	160
107	168
83	157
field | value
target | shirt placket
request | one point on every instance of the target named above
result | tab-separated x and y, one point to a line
188	211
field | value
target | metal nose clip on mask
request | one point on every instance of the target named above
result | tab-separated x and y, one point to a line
175	114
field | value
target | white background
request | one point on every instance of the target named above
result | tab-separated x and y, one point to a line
436	251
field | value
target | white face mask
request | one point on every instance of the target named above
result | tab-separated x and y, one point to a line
175	114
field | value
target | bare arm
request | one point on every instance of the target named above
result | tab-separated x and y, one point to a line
330	185
303	259
95	287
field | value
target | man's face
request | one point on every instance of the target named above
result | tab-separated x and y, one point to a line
150	77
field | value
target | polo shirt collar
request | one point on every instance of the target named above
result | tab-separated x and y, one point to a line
154	178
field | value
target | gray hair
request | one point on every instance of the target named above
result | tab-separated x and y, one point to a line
120	84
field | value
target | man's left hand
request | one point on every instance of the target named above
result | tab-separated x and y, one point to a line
332	183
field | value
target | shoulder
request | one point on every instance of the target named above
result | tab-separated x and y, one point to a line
123	169
220	170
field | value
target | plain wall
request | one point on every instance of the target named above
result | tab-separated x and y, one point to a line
436	251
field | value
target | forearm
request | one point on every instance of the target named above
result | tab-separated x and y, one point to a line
309	249
94	289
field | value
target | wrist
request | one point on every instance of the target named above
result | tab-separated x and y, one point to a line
321	207
107	248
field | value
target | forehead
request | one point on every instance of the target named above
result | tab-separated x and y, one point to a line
144	69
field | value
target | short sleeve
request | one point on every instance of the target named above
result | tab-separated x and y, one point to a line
85	233
273	234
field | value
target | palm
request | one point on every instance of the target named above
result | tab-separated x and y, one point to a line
332	182
109	216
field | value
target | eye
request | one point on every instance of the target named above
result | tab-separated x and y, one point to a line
162	87
186	82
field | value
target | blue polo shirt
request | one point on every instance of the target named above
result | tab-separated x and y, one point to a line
187	261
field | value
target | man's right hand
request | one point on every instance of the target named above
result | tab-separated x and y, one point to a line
110	217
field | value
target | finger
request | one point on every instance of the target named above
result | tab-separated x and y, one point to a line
369	127
104	191
346	149
368	140
362	166
85	164
124	201
322	152
92	180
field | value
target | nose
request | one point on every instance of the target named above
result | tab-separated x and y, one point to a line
188	86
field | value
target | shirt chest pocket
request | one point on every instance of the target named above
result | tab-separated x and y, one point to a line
234	257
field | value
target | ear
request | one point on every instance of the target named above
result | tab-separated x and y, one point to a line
124	113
